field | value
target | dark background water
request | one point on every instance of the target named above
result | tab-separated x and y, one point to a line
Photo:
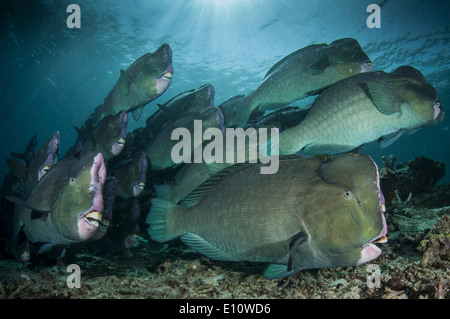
52	77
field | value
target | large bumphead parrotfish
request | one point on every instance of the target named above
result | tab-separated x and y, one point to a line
66	206
362	109
38	165
186	102
159	151
307	215
145	79
131	176
304	72
108	137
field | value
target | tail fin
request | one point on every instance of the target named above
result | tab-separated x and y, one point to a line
157	220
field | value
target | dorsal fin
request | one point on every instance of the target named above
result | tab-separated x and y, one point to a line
194	197
288	59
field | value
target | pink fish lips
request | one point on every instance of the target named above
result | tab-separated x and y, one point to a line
367	66
138	188
163	81
89	221
118	146
437	110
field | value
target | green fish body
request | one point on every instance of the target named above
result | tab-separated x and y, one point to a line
186	102
307	215
362	109
131	176
108	137
302	73
143	81
160	150
38	165
66	206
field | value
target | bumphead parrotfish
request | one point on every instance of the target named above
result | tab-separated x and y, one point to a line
108	137
66	206
131	176
302	73
307	215
38	165
362	109
145	79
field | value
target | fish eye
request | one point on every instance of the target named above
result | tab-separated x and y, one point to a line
72	181
348	194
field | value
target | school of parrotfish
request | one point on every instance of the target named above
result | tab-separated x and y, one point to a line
311	213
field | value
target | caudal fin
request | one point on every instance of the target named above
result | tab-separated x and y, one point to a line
157	220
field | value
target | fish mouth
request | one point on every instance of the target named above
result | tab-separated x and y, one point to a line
371	251
43	171
25	256
367	66
121	142
118	146
89	223
131	240
437	110
167	76
94	218
163	81
138	188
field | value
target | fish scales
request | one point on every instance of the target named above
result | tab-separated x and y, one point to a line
307	215
345	116
218	217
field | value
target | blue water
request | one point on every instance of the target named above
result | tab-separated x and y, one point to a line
53	77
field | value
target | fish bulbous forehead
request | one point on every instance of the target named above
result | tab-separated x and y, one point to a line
350	170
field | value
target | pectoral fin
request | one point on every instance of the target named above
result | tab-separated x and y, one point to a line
320	66
296	240
275	271
137	112
385	99
21	202
387	140
46	247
